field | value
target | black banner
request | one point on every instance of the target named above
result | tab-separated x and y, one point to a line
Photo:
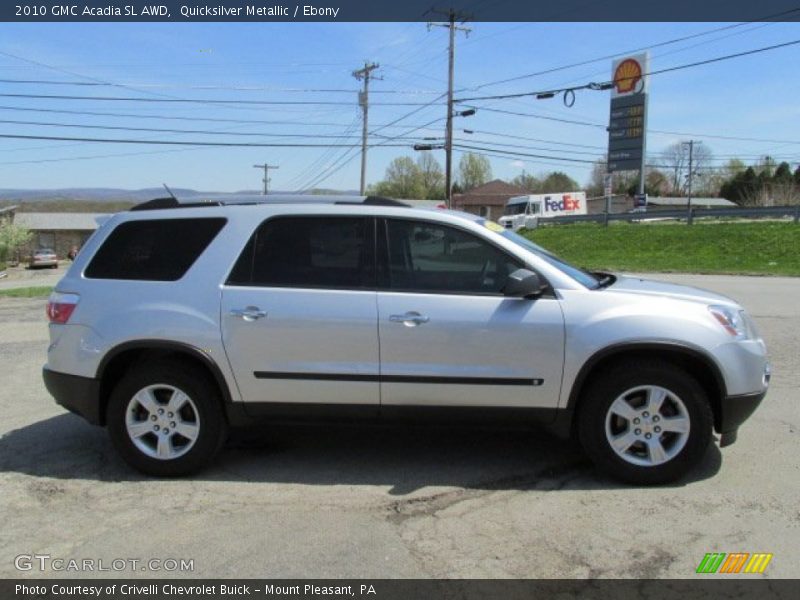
406	10
704	586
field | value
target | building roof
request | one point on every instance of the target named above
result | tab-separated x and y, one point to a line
681	201
494	193
60	221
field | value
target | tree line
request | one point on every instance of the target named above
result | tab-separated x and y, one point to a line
423	178
764	183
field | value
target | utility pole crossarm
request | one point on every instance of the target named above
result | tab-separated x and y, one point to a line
365	74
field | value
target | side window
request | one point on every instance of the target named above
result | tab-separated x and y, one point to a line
316	252
153	249
429	257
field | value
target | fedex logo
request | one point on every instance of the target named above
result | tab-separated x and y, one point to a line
566	204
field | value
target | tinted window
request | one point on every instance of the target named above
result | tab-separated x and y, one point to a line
429	257
153	250
327	252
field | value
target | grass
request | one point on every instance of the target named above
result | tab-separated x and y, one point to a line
766	248
27	292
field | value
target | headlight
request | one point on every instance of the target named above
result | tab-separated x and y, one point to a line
731	319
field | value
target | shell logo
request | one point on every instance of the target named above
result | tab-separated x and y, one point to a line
627	76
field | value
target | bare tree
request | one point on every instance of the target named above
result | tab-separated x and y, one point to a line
675	162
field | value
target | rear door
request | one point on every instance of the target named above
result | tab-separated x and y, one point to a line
299	313
449	337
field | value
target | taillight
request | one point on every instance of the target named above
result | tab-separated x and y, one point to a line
60	307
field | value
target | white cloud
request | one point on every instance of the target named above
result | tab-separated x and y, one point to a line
517	164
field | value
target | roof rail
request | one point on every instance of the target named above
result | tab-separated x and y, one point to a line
170	202
376	201
159	203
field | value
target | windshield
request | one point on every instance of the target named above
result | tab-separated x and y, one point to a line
515	209
581	276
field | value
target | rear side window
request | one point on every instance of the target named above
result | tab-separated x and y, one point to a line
153	250
312	252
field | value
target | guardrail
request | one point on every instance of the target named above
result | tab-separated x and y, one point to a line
678	215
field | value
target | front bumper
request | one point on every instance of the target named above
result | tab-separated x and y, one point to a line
80	395
735	410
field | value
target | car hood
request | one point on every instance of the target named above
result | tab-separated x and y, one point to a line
648	287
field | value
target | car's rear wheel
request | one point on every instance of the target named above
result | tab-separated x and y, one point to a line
645	422
166	418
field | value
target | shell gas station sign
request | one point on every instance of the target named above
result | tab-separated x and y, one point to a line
627	123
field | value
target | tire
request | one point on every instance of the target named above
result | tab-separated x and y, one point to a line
656	413
156	440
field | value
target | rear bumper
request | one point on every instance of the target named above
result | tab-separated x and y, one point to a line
735	410
80	395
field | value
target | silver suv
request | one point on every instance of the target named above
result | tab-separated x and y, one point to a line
178	321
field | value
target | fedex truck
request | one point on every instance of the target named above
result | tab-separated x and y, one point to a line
525	211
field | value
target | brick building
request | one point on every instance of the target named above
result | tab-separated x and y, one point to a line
488	200
59	231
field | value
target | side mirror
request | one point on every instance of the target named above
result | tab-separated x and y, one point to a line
523	283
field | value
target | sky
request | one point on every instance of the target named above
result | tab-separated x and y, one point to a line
306	64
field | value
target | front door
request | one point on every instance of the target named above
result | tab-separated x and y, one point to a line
448	335
299	313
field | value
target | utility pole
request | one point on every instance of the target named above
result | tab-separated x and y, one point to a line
266	179
691	144
363	101
453	16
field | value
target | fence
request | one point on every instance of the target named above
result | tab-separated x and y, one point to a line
689	216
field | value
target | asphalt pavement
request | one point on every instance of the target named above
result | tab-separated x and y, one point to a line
391	501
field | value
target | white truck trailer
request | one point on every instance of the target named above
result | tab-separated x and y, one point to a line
525	211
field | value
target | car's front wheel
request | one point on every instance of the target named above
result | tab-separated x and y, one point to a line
166	418
645	422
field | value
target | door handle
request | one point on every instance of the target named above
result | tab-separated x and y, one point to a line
249	313
410	319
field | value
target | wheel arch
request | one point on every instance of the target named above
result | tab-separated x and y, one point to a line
126	355
697	363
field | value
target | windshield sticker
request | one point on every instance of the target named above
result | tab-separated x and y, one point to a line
492	226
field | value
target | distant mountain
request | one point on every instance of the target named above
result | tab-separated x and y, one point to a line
120	195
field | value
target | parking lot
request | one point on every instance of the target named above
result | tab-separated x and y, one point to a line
392	501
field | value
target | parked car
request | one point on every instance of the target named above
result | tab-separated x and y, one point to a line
43	257
176	322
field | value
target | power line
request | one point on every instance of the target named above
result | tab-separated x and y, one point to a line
412	113
509	152
234	88
180	143
535	116
600	86
178	131
313	167
655	131
335	169
196	101
527	147
305	123
626	52
532	139
538	162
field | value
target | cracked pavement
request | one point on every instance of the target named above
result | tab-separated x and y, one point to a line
393	501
